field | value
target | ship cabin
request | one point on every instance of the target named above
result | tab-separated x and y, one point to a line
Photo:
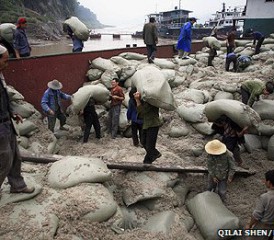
227	18
259	15
174	18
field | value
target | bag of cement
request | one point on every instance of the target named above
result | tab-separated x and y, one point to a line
78	28
123	122
185	62
7	31
192	112
107	77
150	186
270	149
232	87
70	171
127	72
203	128
268	41
164	222
169	74
25	128
164	63
14	95
79	99
176	132
238	49
22	108
121	61
238	112
154	89
210	215
242	43
105	64
252	142
194	95
94	74
223	95
247	52
90	202
264	108
212	42
132	56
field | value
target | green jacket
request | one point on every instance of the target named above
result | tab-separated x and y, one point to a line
221	166
149	114
255	88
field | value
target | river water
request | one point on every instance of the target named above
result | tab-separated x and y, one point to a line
105	42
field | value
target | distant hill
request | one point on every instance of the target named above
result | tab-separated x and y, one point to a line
45	17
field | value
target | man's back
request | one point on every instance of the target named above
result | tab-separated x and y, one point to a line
150	34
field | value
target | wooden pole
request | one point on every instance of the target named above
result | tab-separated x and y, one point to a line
133	166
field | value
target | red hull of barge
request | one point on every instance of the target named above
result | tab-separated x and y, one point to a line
30	75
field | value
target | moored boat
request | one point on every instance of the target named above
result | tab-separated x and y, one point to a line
95	36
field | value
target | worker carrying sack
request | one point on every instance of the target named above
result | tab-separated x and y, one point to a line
78	28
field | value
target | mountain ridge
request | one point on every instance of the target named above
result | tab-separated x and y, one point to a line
45	17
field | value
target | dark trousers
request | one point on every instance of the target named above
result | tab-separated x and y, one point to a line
149	140
259	44
25	55
229	49
212	54
219	187
229	61
91	119
77	50
114	116
135	128
245	95
10	160
232	145
151	51
52	120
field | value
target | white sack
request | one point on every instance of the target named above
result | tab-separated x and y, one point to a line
238	112
79	29
212	42
264	108
6	31
79	99
154	89
70	171
105	64
132	56
210	214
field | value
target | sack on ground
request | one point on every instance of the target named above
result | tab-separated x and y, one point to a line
210	214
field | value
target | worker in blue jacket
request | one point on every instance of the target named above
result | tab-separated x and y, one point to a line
51	104
184	41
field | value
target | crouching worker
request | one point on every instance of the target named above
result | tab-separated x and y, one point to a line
252	89
231	58
243	62
263	214
51	104
151	125
91	118
221	167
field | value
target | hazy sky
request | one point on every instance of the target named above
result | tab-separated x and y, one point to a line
129	12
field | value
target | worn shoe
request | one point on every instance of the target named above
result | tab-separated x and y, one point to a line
150	60
24	190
